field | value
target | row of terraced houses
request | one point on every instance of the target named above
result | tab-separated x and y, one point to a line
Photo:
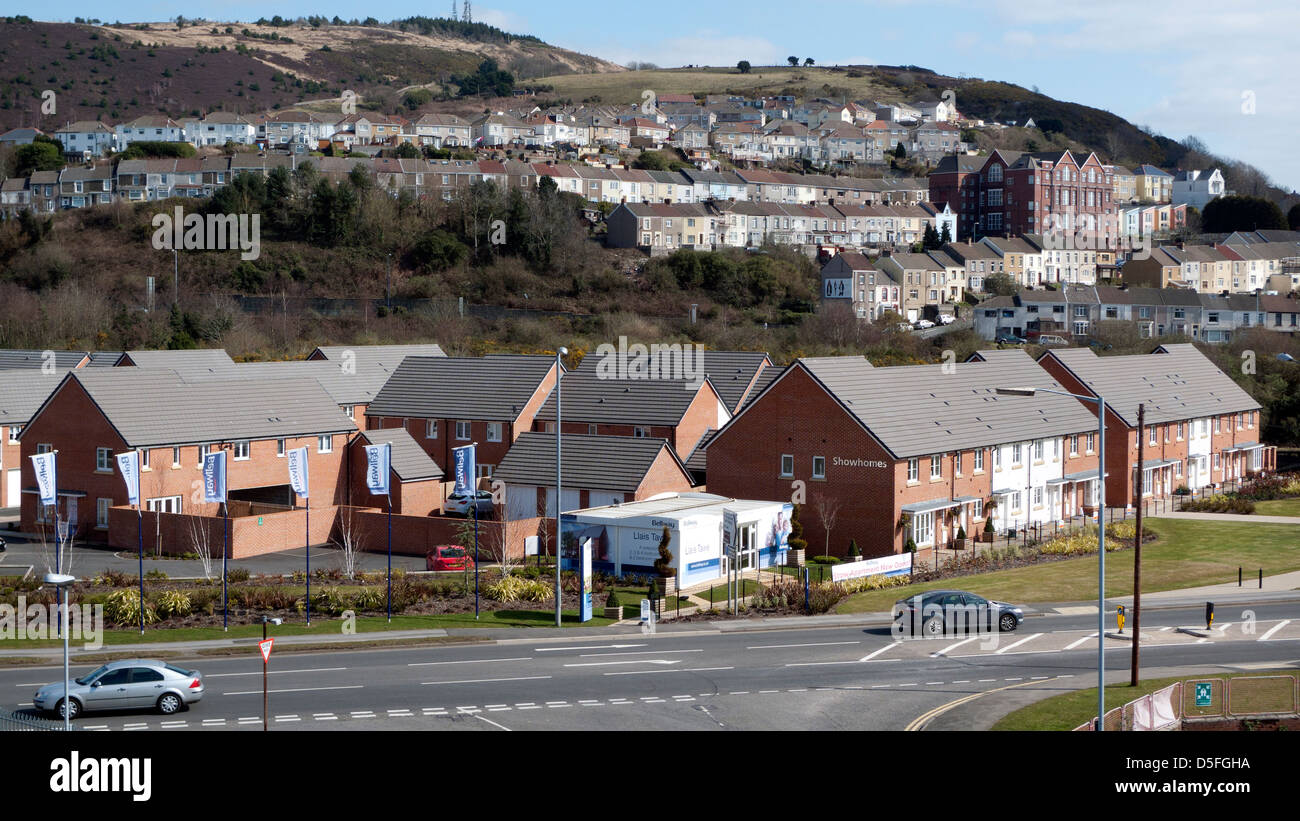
908	453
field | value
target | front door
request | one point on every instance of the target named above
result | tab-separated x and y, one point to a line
13	487
748	553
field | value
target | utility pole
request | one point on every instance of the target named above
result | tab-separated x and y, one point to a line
1137	552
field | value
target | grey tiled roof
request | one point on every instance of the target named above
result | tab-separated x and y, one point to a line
19	359
23	391
731	372
357	384
697	461
1180	384
408	461
201	358
389	356
103	359
613	463
588	398
494	388
915	410
155	406
765	378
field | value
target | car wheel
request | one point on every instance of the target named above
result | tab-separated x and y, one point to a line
1007	622
934	627
74	709
169	704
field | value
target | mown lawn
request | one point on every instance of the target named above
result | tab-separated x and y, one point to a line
1187	553
1278	507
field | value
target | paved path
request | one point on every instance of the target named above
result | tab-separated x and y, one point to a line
1238	518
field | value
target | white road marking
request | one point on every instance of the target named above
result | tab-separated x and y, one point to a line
704	670
493	723
635	661
768	691
874	687
642	672
962	681
327	718
287	718
1075	644
592	647
363	713
739	692
985	680
636	653
275	672
1018	643
874	653
94	726
1274	629
913	684
295	690
136	727
945	650
170	724
928	683
466	661
1166	629
811	644
1017	678
223	721
485	680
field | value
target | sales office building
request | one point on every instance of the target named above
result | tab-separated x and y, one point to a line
914	452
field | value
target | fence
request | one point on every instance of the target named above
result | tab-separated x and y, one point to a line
1210	698
13	722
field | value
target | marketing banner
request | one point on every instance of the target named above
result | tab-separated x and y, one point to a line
214	477
298	476
464	460
584	599
897	565
129	464
378	459
730	532
43	463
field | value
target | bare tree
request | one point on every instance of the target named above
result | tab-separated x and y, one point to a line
828	509
350	540
201	540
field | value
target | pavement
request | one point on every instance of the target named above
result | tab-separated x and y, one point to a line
1238	518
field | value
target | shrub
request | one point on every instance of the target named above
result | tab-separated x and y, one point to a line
331	601
123	607
822	597
369	598
961	532
877	582
1220	503
237	574
824	560
115	578
156	575
513	589
173	603
853	549
1122	530
612	599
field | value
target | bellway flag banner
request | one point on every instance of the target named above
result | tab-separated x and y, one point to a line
44	466
464	460
378	459
129	464
214	477
298	476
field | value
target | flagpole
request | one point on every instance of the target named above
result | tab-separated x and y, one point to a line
307	540
474	502
390	557
225	553
139	530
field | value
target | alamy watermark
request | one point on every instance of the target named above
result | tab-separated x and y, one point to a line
39	622
656	361
213	232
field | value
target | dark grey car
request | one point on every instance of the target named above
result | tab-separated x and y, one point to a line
131	684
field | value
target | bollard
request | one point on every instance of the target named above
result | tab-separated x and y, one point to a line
1261	578
1239	577
1119	617
1209	615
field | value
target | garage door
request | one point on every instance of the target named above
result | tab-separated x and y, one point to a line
572	501
600	498
12	487
521	502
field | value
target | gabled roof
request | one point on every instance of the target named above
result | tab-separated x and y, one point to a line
590	398
384	356
13	359
697	462
611	463
494	388
152	407
22	392
184	359
407	460
1180	383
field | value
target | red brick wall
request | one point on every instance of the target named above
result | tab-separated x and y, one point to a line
664	476
701	415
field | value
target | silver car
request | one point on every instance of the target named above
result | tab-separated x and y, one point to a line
125	685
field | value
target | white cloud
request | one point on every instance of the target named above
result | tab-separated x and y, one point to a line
504	20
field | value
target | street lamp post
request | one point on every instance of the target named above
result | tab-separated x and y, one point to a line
61	581
1100	402
559	372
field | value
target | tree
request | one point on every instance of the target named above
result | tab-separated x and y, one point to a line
900	152
828	509
743	66
1293	217
792	60
807	61
1000	284
664	564
1237	212
41	154
796	539
946	237
930	241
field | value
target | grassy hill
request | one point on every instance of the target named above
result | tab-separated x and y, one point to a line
121	71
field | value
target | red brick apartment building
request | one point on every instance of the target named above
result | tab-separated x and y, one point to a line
1202	428
94	414
447	402
913	452
21	393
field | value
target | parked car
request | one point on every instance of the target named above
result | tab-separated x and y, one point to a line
922	324
937	612
1282	357
3	547
459	504
903	326
946	319
125	685
1009	339
448	557
1052	339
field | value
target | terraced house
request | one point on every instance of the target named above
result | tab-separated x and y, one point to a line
909	453
1202	429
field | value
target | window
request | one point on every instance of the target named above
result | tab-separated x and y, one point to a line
164	504
956	463
936	467
241	451
494	431
176	457
325	444
1216	461
1217	423
431	429
1180	431
591	430
462	430
1038	450
640	432
787	464
101	512
1151	439
1238	421
483	471
347	411
1091	440
977	509
997	458
144	459
1038	497
1015	454
14	430
819	467
913	469
203	454
979	459
1015	501
1074	445
923	528
103	459
279	447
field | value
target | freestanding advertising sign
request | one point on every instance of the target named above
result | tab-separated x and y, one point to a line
584	599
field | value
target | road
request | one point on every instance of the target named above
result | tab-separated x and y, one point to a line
831	678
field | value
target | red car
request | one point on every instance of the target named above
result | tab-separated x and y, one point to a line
448	557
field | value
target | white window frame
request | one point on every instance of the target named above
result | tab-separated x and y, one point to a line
159	503
494	431
203	453
281	447
979	460
468	430
787	465
101	513
431	429
245	446
819	473
913	469
103	460
1017	453
144	459
923	528
325	444
936	466
14	431
176	457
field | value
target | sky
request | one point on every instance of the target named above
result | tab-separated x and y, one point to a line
1223	72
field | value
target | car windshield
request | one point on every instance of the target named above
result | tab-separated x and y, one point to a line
92	675
453	552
